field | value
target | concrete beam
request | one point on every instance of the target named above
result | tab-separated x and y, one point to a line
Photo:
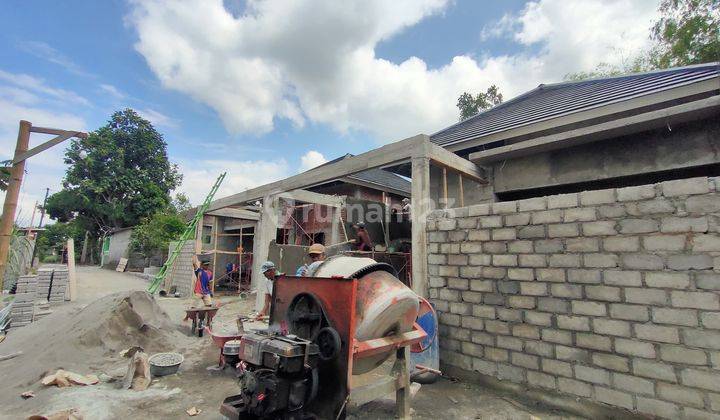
306	196
421	208
443	158
235	213
611	129
265	232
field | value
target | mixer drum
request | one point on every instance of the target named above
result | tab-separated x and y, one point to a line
384	305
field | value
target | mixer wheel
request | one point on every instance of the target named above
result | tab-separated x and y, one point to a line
328	341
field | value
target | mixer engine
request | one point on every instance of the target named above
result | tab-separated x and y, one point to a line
278	375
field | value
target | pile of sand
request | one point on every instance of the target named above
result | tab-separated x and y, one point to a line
90	339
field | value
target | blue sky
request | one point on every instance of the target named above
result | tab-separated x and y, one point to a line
252	88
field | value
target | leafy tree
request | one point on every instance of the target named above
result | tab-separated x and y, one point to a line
688	32
470	105
55	236
117	176
154	233
4	174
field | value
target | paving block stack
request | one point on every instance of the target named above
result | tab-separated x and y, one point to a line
52	284
22	309
610	295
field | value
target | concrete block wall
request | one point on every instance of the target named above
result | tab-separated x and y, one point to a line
181	275
23	306
611	295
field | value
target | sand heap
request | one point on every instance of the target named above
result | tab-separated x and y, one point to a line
90	340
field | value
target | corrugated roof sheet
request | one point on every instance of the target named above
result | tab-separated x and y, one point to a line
554	100
378	176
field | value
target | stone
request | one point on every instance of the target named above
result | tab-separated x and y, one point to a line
563	230
557	336
455	259
600	228
479	210
656	206
621	244
710	320
629	312
683	355
461	308
576	323
519	219
447	224
702	339
681	394
683	224
525	360
703	204
664	242
658	408
505	234
558	306
633	384
504	207
579	215
612	362
520	247
584	276
642	262
621	278
707	281
695	300
504	260
690	262
634	348
684	317
513	315
580	307
705	242
700	379
688	186
574	387
541	380
471	247
593	341
497	327
508	287
522	302
533	288
548	274
590	198
611	327
646	296
642	192
471	272
481	285
532	260
467	223
612	212
562	201
496	355
600	260
657	333
564	260
538	318
525	274
612	397
631	226
545	217
483	311
572	354
478	235
458	283
670	280
571	291
494	247
510	343
532	204
655	370
490	221
457	236
548	246
582	245
511	373
589	374
530	232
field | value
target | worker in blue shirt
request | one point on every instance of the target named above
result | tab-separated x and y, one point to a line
204	276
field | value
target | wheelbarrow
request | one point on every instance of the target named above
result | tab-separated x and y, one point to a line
200	317
220	340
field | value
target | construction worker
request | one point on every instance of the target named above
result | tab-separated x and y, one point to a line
316	253
203	278
269	271
363	241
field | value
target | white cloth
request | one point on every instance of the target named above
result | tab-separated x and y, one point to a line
268	286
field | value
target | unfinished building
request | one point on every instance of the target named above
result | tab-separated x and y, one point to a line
568	238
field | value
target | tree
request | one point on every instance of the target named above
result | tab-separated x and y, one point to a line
154	233
117	176
470	105
688	32
4	174
55	236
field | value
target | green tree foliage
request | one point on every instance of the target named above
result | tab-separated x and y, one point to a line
55	236
688	32
154	233
117	176
4	174
470	105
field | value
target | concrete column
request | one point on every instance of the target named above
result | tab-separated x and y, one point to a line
421	207
265	232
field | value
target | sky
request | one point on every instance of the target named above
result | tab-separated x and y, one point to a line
265	89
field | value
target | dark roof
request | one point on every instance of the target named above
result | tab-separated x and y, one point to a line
554	100
377	176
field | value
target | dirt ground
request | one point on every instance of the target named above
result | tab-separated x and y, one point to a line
195	384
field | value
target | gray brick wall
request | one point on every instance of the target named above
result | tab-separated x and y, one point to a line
611	295
181	275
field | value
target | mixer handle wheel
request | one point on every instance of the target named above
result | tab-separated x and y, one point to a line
328	341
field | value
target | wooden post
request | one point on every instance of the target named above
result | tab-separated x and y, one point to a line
421	207
72	280
83	254
462	191
445	188
11	197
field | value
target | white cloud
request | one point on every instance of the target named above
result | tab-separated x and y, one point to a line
314	60
199	176
311	159
23	97
46	52
157	118
112	91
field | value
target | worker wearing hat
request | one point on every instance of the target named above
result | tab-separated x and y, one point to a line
268	270
203	279
316	253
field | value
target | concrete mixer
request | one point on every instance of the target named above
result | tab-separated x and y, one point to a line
330	344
